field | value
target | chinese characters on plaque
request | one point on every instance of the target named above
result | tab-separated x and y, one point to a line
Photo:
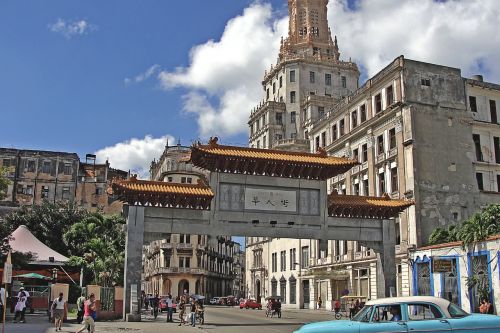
273	200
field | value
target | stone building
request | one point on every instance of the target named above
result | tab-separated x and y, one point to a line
38	175
419	131
239	273
187	262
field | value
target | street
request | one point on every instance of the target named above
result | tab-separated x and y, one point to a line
217	319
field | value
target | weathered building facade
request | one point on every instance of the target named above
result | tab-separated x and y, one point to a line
187	262
419	131
37	175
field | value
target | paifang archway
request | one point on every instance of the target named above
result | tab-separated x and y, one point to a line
257	192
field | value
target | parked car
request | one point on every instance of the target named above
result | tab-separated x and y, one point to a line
214	301
250	304
409	314
163	305
222	300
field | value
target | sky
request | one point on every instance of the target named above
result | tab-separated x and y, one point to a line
119	78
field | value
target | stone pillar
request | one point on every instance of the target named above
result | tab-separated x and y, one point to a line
133	262
386	261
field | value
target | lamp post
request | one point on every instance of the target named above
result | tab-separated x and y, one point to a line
54	275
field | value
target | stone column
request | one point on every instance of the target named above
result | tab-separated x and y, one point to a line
133	261
386	261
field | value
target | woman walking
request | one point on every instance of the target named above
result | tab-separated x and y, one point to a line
88	315
182	308
59	309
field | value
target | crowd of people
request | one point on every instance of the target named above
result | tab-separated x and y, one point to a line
190	308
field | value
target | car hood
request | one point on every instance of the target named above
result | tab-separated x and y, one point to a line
337	326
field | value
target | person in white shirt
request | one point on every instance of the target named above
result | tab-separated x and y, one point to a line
3	295
59	309
23	294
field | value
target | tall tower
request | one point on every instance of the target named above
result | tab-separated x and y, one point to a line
307	80
308	31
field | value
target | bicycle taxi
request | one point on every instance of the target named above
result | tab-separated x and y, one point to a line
350	305
273	306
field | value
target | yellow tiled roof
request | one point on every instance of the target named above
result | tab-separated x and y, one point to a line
365	206
145	186
275	155
383	201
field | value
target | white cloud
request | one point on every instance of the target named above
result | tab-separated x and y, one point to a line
134	154
72	28
229	71
461	33
223	77
144	75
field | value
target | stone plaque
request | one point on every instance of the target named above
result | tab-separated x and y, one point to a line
270	200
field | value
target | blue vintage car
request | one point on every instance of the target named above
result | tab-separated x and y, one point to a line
408	315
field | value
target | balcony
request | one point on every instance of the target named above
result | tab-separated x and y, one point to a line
166	246
175	270
292	144
380	158
185	248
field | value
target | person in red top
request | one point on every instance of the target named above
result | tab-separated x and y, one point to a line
336	306
88	314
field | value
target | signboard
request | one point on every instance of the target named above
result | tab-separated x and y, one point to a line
272	200
441	265
7	273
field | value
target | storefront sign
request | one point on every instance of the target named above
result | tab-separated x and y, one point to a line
441	265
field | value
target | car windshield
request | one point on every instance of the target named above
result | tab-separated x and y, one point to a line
456	312
363	315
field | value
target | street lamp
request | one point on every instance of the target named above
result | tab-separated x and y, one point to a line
54	275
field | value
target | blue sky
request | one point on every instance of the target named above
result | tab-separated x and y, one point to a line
119	78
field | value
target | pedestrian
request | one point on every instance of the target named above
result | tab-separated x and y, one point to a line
3	298
19	309
59	308
193	312
25	295
336	306
182	310
169	309
79	305
88	315
319	302
352	310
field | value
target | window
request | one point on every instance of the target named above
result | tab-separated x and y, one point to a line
355	189
292	96
258	143
293	117
380	144
278	137
45	192
281	81
423	312
68	169
364	153
305	257
65	193
170	179
425	82
6	162
334	133
355	154
29	189
267	94
274	87
264	141
496	143
343	80
317	143
354	119
283	289
279	118
292	76
311	77
31	166
394	179
341	127
283	261
46	166
183	180
323	139
392	138
472	103
293	258
378	103
293	290
389	95
321	111
366	187
328	79
274	258
381	183
479	178
477	144
99	191
274	287
166	261
493	112
362	111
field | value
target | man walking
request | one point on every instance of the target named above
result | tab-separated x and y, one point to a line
59	308
24	295
169	309
182	310
79	304
193	312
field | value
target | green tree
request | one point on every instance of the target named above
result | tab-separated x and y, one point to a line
4	182
48	222
441	235
97	244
